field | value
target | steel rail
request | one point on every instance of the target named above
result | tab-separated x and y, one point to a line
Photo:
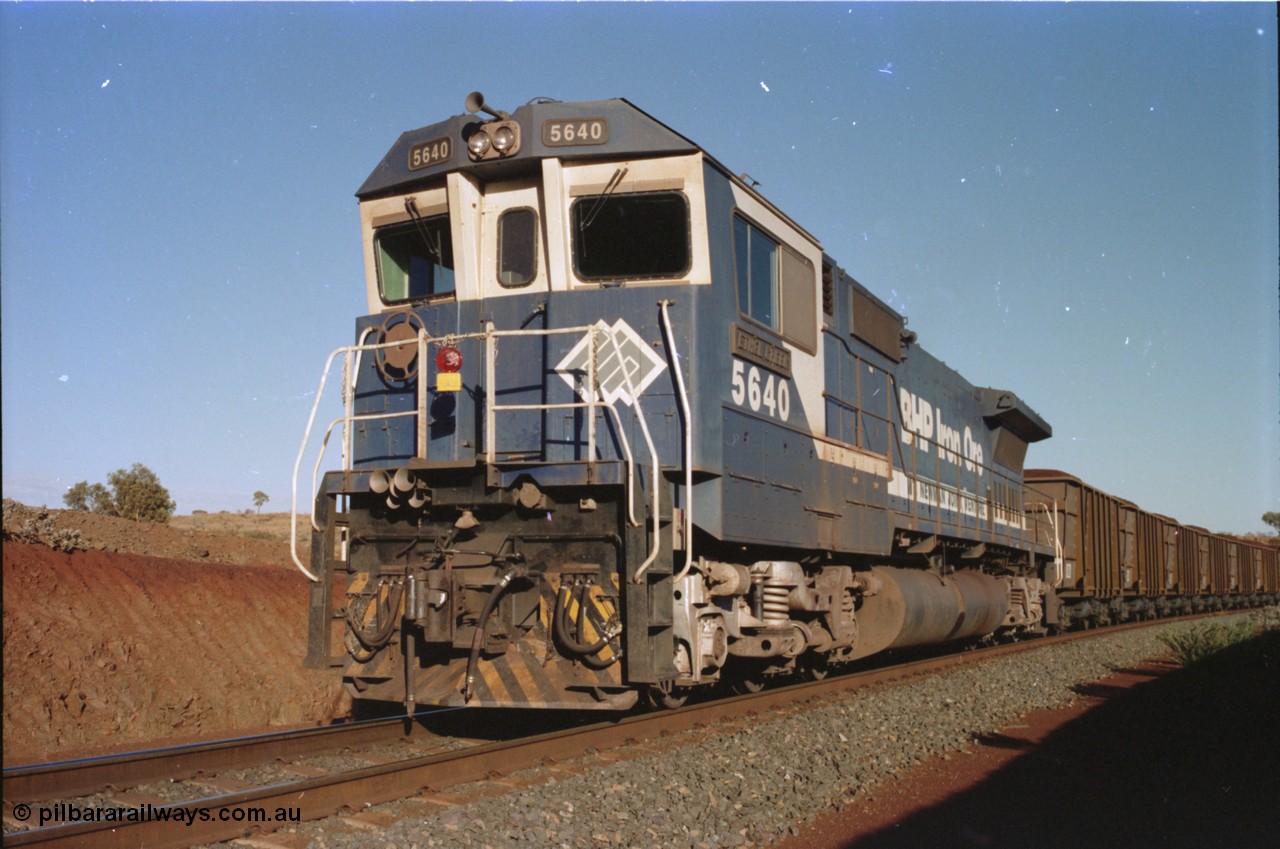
82	776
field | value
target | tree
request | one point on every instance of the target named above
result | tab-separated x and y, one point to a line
260	498
1272	519
136	493
89	498
77	497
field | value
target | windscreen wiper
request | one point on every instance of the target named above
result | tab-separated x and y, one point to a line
433	245
614	182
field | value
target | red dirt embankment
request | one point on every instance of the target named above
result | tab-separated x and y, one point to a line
107	649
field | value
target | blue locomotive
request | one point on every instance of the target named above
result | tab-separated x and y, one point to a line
616	427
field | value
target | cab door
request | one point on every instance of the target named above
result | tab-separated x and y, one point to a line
512	255
513	262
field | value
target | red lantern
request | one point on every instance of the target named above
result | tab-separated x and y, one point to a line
448	359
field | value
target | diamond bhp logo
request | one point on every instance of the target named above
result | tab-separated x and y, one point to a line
620	354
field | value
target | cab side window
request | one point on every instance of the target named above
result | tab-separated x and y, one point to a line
777	287
757	271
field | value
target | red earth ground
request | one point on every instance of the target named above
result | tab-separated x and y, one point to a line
156	632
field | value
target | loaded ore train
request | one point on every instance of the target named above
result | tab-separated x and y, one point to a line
616	427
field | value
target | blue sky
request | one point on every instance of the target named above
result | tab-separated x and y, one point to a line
1075	202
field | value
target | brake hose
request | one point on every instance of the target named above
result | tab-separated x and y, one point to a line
375	641
477	641
590	659
561	624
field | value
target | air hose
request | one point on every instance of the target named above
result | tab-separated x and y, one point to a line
477	641
569	641
386	618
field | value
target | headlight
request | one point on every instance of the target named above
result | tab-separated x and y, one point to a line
494	140
479	143
503	139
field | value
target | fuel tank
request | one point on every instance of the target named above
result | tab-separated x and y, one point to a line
919	607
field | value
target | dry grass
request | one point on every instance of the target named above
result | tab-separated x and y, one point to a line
273	526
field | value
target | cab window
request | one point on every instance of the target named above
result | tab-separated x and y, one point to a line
517	247
415	259
757	270
777	287
631	236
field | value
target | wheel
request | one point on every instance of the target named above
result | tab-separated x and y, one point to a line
668	698
746	678
816	669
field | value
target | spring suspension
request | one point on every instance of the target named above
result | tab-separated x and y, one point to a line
775	607
847	605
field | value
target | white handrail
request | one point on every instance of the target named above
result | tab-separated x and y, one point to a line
688	444
297	465
653	455
364	417
1058	560
490	393
345	350
489	335
349	381
592	363
421	429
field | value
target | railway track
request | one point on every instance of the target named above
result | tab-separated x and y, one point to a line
232	813
85	776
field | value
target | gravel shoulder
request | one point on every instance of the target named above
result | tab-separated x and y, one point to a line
760	784
1152	755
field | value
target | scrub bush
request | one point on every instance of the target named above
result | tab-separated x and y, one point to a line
135	493
1198	642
